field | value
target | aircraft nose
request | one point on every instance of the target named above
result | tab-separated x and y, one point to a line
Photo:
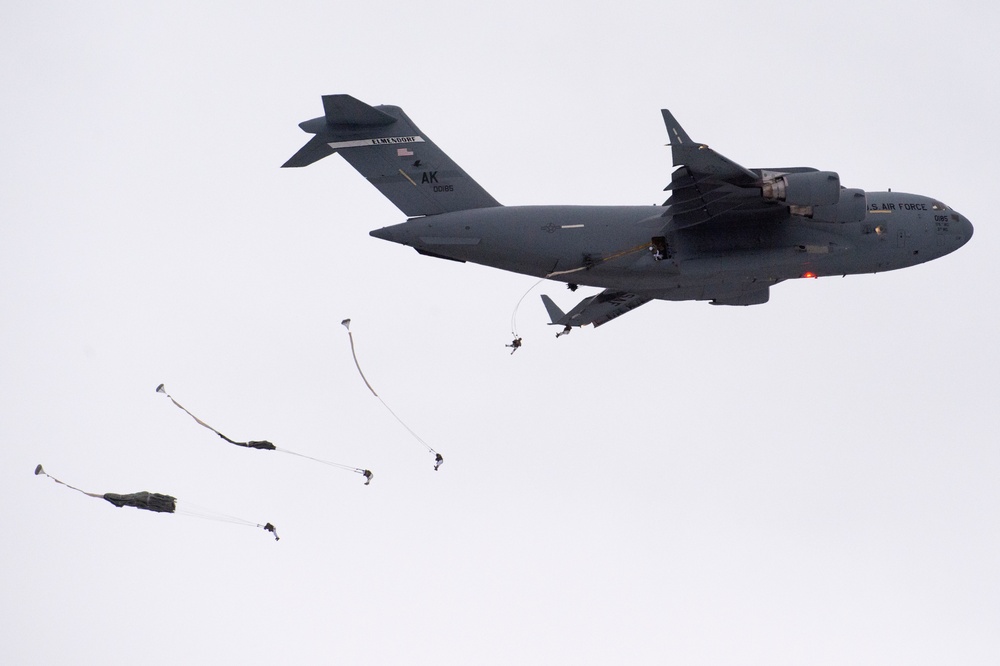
965	228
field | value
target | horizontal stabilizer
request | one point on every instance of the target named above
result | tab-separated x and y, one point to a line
346	110
555	314
315	150
596	310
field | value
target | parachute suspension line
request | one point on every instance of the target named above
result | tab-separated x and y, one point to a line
438	458
590	264
266	445
513	315
367	473
197	511
408	428
325	462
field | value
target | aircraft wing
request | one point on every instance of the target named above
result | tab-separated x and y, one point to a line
709	186
598	309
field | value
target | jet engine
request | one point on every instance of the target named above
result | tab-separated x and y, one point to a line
813	188
852	207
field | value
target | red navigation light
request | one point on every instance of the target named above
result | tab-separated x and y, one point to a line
808	274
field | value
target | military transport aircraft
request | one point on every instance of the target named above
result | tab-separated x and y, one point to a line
724	235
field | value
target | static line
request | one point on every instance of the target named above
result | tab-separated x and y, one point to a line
567	272
513	315
616	255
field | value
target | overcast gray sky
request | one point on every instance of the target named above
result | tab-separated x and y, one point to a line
809	481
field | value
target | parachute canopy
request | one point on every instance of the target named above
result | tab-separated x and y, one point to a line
144	500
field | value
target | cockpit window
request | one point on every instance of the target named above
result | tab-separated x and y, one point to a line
937	205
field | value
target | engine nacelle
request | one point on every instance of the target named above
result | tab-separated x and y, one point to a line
813	188
852	207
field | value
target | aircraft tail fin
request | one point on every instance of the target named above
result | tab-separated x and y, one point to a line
384	145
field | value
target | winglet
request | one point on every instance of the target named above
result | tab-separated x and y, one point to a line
702	160
555	314
677	133
315	150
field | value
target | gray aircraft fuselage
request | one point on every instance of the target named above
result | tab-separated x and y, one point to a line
898	230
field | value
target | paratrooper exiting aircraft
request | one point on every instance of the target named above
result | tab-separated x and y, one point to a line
726	234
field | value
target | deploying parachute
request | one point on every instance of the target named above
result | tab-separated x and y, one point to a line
143	500
266	445
517	342
159	503
438	458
